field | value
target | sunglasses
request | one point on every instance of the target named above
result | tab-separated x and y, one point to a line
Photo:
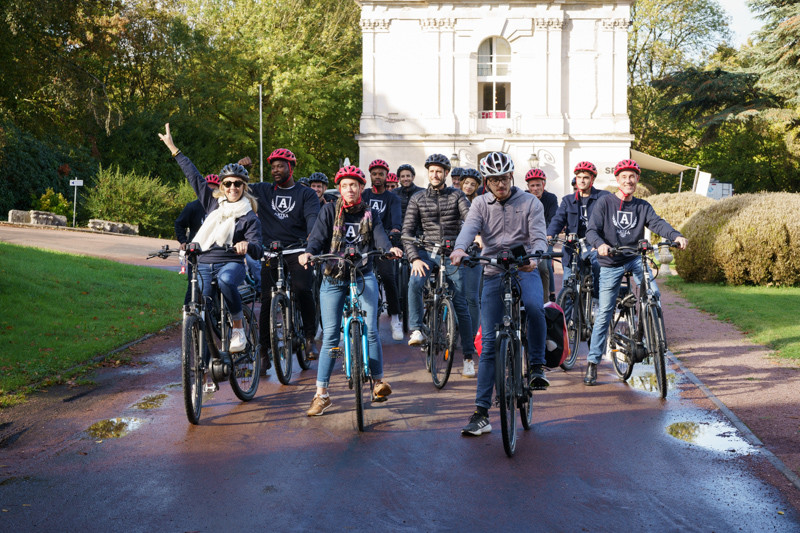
229	184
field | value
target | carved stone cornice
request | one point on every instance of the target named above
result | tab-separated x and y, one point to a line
549	24
432	24
375	24
616	24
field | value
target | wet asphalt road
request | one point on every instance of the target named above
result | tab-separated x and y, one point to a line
597	459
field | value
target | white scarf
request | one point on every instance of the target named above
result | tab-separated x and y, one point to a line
220	223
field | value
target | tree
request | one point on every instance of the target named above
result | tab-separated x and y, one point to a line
776	52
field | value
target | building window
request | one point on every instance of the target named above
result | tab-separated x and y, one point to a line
494	85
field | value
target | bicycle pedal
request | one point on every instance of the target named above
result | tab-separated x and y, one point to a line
210	387
379	399
335	353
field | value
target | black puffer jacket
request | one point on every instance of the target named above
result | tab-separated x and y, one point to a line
439	212
405	194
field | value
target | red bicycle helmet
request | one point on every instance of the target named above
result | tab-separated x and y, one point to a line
586	166
535	174
627	164
392	178
212	179
350	172
283	153
379	163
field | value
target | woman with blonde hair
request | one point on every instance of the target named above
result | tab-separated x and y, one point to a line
231	230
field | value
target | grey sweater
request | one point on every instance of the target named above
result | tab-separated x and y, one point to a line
517	221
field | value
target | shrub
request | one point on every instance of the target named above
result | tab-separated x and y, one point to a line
53	202
677	207
745	239
135	199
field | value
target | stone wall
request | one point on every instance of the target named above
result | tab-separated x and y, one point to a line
40	218
113	227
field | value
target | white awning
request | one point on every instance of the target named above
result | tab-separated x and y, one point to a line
660	165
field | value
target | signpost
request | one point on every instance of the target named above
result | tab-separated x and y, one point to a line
76	184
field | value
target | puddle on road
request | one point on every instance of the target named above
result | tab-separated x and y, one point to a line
113	428
718	436
646	381
154	401
158	362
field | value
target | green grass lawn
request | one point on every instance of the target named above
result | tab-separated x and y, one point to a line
59	311
767	315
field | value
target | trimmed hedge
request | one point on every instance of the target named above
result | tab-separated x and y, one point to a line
745	239
677	207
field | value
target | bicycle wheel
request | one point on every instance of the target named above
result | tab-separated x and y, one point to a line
281	337
191	367
620	345
246	371
587	316
655	347
442	344
402	283
504	367
299	345
525	402
357	370
566	301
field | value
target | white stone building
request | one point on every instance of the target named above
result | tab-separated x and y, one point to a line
546	79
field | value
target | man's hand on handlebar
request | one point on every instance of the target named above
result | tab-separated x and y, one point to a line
604	250
396	252
303	259
682	241
457	256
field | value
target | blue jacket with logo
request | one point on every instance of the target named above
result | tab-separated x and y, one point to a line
388	205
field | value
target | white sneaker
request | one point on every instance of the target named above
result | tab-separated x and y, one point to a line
397	328
469	368
238	340
416	338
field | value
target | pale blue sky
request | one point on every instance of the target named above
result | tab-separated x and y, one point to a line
743	22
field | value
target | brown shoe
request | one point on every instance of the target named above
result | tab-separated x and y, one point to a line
381	391
318	406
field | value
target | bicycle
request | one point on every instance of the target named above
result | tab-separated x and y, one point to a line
286	321
636	331
402	273
439	318
577	288
206	331
354	329
511	365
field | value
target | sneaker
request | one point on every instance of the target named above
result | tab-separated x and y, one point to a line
318	405
397	328
478	425
238	340
469	368
381	391
311	350
417	338
538	380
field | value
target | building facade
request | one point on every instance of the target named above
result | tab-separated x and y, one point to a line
543	81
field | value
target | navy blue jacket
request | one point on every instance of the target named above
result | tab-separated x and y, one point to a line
248	227
287	215
550	204
388	205
189	221
619	223
569	217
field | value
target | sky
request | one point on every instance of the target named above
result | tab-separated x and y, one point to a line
743	22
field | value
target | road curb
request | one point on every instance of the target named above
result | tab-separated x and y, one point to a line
748	435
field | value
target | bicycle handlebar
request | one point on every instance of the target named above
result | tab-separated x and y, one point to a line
507	260
447	245
643	246
351	258
276	247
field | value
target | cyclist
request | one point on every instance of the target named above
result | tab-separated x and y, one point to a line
304	182
470	181
407	188
505	217
535	180
439	211
387	205
186	226
455	176
231	221
347	222
619	220
319	184
573	215
391	181
288	214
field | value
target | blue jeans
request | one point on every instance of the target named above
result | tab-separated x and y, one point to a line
595	273
472	286
229	276
492	313
456	283
332	294
255	270
610	281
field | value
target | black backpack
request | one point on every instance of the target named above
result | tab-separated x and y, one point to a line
557	340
